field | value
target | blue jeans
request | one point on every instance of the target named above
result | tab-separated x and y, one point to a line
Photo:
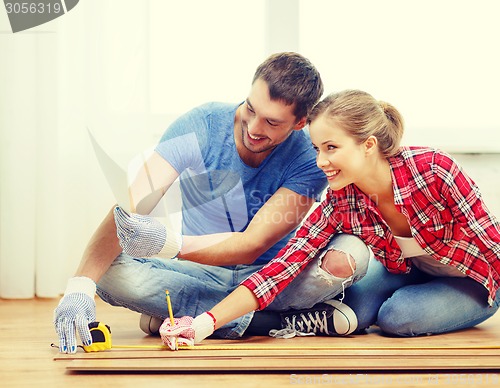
417	303
139	285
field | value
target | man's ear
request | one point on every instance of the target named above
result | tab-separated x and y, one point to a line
371	145
300	124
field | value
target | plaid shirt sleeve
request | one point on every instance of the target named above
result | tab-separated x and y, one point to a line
312	236
464	200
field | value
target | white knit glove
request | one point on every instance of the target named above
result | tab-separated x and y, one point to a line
146	236
75	311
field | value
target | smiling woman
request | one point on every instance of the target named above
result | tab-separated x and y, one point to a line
434	243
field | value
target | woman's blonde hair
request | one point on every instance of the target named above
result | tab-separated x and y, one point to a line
362	116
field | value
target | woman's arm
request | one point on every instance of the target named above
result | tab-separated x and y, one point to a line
260	289
236	304
310	238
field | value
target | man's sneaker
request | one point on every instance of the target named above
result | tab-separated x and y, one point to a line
150	325
328	318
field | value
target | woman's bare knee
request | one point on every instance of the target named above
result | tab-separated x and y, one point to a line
338	264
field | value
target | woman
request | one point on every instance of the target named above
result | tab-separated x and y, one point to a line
435	243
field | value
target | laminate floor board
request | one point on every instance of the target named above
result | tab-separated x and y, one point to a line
469	357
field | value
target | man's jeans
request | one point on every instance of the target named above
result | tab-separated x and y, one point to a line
417	303
140	284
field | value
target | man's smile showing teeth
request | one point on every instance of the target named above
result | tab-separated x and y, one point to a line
254	137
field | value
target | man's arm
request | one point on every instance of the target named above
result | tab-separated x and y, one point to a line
279	215
101	250
76	309
151	182
154	177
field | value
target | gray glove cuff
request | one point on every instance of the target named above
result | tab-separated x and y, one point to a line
81	284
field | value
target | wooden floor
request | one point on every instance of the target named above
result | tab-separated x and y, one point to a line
470	357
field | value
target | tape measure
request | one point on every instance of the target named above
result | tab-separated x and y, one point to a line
101	337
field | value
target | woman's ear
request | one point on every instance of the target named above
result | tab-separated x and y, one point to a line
371	145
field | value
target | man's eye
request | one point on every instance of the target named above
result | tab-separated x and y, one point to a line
272	124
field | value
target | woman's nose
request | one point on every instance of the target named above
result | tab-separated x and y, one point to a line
321	160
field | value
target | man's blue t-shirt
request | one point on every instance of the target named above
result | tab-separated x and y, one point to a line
220	193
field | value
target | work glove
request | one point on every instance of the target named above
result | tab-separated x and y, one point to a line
146	236
75	311
186	330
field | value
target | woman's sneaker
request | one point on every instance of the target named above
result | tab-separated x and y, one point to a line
329	318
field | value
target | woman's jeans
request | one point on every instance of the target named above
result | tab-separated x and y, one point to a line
417	303
140	284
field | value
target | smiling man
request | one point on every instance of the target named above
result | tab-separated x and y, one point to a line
264	124
247	176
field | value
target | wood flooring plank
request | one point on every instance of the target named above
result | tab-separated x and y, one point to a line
472	349
249	363
415	353
27	360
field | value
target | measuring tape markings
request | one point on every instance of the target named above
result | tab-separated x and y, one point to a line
101	340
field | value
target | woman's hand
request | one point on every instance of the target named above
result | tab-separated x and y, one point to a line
186	330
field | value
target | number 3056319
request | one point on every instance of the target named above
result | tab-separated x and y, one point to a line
33	8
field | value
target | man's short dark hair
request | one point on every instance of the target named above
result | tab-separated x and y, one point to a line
293	79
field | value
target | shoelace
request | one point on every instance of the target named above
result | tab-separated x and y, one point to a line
287	333
305	326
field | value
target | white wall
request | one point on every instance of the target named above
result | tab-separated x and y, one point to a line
436	60
123	68
126	68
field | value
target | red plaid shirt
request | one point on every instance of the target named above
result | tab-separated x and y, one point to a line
446	214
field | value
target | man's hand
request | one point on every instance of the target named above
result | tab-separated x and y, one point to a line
186	330
75	311
145	236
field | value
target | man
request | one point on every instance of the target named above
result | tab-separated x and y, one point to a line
247	175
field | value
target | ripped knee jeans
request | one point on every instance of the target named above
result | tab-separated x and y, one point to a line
343	262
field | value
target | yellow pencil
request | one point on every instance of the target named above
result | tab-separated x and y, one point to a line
169	304
170	312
